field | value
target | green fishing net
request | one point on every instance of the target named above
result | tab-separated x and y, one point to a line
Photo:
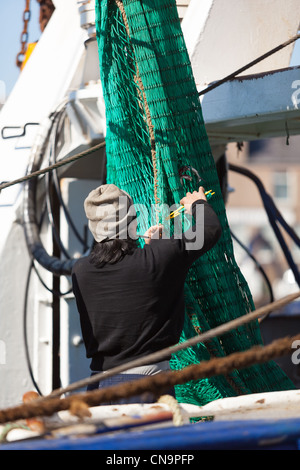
155	137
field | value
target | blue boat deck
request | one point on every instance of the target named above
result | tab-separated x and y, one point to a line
283	434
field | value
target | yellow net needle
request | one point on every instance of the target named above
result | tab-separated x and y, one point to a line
180	208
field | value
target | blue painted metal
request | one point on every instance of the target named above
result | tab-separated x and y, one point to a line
260	434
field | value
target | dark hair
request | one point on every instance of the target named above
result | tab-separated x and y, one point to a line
111	251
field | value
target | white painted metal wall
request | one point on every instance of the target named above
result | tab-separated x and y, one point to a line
222	36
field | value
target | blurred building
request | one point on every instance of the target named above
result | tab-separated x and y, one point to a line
276	162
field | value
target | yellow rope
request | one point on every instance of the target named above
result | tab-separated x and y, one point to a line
173	404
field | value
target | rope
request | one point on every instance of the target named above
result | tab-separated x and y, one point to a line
249	65
165	353
150	125
9	427
158	383
174	407
93	149
53	167
147	109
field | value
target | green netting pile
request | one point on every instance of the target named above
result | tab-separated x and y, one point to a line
154	129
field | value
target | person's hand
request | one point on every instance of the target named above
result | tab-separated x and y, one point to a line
190	198
153	232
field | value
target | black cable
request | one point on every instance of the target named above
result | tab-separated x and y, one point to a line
51	220
48	197
274	216
67	213
258	265
57	185
26	346
53	291
27	355
53	264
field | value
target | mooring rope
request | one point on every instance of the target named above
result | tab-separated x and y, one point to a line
162	382
158	384
166	352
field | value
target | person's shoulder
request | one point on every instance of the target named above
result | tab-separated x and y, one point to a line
80	264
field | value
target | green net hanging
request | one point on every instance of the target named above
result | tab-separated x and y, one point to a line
155	129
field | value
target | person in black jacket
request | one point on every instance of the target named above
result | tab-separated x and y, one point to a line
131	299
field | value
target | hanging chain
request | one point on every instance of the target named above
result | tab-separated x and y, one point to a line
24	35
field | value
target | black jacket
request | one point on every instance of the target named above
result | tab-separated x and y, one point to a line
136	306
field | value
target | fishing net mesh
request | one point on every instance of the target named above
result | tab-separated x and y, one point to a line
155	133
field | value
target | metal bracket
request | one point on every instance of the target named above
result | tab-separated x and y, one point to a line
17	127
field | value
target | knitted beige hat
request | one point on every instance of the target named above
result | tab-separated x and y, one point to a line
109	211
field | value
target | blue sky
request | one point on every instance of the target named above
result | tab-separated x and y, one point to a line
296	54
11	26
